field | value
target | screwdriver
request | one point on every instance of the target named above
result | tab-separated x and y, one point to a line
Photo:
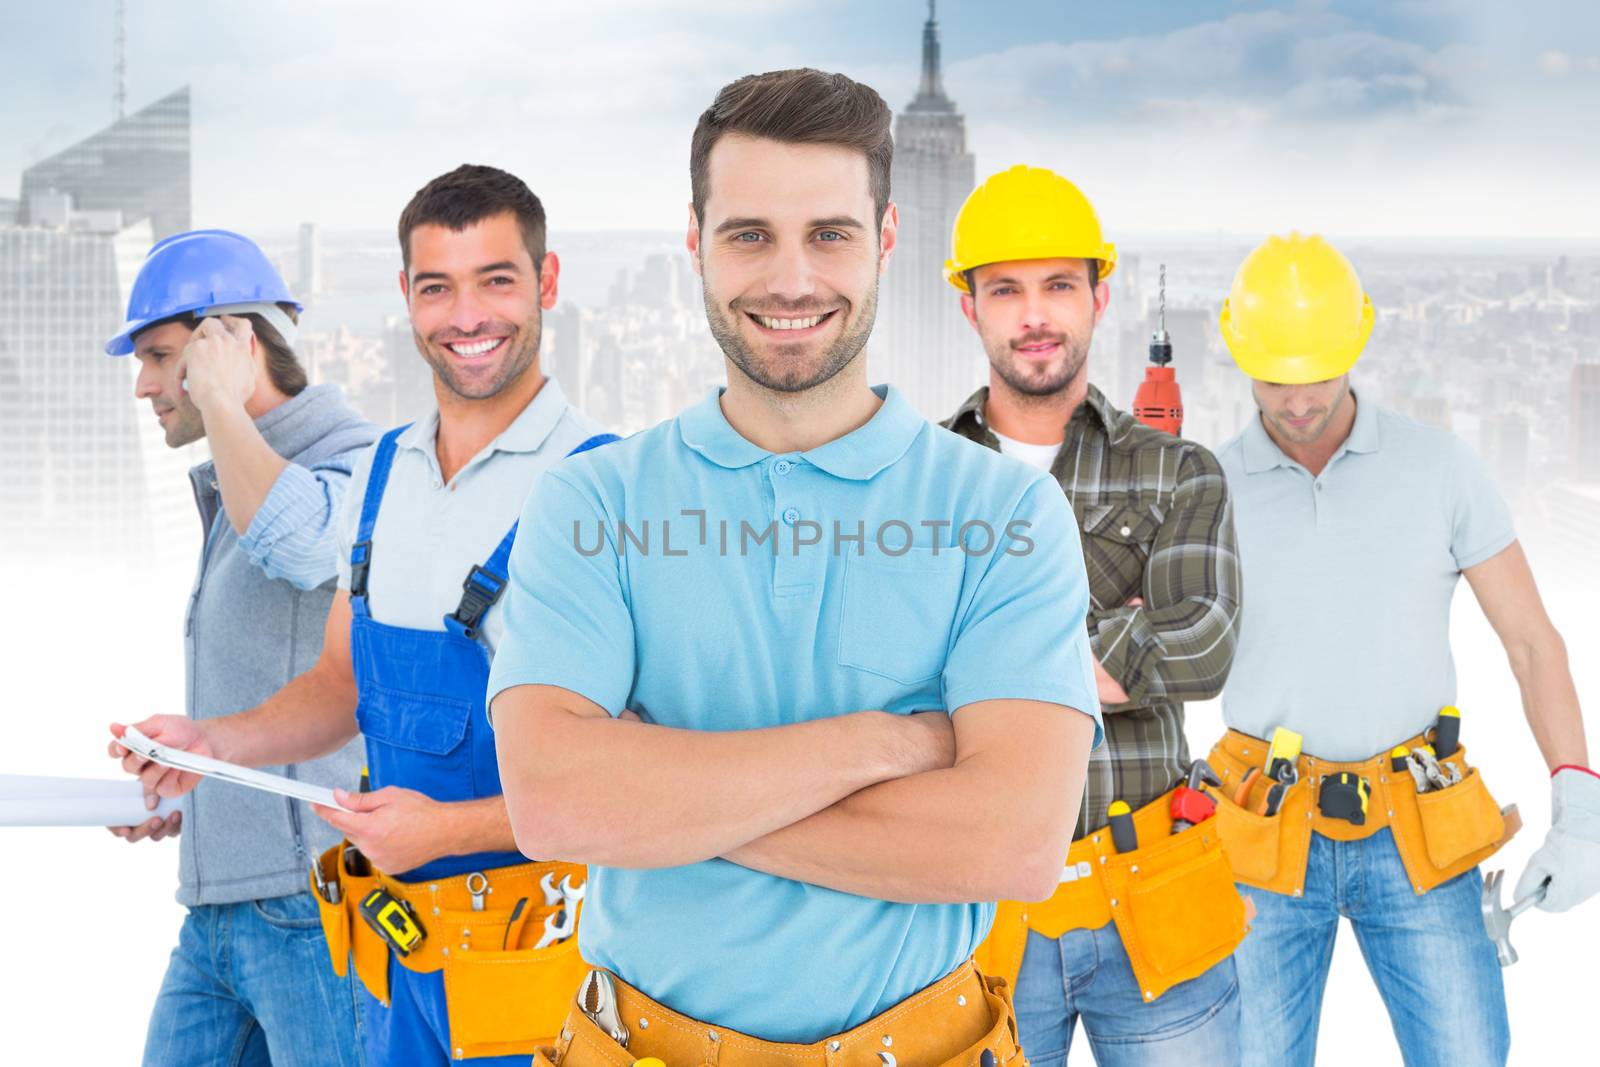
1447	732
1122	832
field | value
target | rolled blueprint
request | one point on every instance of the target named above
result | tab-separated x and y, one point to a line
32	800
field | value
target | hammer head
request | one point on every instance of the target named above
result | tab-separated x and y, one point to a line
1497	920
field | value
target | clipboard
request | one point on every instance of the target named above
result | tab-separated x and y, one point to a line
227	772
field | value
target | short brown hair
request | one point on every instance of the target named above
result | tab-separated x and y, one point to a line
802	106
470	194
283	369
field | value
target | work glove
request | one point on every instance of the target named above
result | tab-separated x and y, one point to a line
1570	855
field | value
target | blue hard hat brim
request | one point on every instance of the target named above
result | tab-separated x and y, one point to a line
190	272
122	344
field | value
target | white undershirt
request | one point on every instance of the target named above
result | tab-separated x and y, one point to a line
1040	456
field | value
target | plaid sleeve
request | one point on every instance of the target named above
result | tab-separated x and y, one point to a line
1179	645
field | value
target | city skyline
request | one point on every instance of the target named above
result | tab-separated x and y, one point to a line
1353	118
1495	343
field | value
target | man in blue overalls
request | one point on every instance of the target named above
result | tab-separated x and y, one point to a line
431	867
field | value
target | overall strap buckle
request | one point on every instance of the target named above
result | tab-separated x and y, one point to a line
360	563
479	593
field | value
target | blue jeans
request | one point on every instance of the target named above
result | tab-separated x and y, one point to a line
1086	974
250	985
1434	966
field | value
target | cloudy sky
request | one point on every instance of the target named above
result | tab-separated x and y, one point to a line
1405	118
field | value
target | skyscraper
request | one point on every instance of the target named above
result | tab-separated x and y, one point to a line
138	166
85	463
923	344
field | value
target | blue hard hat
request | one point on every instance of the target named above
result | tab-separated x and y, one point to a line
195	271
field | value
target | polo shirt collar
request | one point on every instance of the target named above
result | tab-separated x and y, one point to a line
1364	435
866	450
1261	453
707	430
858	455
527	432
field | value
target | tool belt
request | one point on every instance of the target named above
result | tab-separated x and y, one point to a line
962	1020
1439	834
503	999
1177	910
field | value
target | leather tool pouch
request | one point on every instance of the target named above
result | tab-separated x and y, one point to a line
1439	834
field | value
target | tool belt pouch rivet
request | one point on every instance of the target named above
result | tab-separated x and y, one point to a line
1439	834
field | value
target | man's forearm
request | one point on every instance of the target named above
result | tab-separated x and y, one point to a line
1179	652
477	826
585	788
312	716
246	465
1550	701
943	836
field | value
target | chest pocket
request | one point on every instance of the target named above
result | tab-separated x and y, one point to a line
1116	546
1128	525
429	724
897	612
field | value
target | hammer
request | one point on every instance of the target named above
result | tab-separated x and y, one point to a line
1497	920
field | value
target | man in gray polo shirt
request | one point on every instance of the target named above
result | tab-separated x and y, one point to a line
1355	525
212	327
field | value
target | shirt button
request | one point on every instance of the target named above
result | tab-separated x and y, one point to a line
782	466
791	516
1319	487
1127	531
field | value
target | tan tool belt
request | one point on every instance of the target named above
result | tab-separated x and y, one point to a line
952	1023
1177	910
502	999
1439	834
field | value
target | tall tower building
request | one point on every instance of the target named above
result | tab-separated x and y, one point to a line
138	165
922	343
86	463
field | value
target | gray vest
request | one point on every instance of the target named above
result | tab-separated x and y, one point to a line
245	636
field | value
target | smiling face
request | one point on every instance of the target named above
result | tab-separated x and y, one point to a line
160	381
1036	318
789	256
475	301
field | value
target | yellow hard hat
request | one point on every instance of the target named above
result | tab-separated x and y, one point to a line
1297	313
1025	213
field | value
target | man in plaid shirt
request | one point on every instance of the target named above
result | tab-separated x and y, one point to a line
1159	548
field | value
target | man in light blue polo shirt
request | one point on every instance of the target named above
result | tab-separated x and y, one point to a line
774	584
1354	525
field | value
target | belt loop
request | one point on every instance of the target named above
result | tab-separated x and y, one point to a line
713	1047
830	1053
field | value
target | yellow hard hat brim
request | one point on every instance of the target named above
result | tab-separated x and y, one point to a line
1279	368
956	274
